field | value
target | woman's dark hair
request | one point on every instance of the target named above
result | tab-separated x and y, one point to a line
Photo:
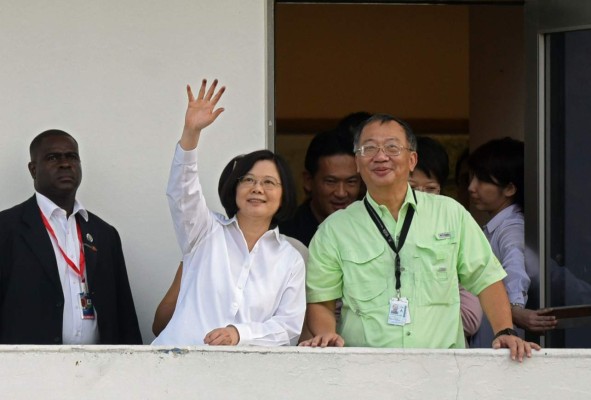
432	159
500	162
239	166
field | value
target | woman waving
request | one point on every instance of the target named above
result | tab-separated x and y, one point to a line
242	282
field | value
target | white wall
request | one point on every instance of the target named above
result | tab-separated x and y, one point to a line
113	74
100	372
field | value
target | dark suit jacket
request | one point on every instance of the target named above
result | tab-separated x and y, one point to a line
302	226
31	297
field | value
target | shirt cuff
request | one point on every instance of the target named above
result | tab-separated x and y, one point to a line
245	334
320	297
185	157
517	298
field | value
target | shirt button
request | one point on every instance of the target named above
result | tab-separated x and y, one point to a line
239	287
58	304
57	339
408	333
234	305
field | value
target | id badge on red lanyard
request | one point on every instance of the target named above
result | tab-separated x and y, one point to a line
86	305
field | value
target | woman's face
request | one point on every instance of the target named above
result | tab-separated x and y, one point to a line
486	196
258	194
420	181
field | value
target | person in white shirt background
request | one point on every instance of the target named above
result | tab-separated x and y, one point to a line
242	281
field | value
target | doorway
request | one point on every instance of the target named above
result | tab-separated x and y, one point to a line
561	98
455	72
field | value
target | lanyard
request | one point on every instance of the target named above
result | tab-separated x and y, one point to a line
78	271
384	231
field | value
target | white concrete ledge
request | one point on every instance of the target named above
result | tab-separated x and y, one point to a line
145	372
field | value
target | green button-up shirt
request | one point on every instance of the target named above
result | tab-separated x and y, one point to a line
350	259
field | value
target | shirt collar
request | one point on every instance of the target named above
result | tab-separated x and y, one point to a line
496	221
48	207
229	221
276	233
383	210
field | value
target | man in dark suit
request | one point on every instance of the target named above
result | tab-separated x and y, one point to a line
62	274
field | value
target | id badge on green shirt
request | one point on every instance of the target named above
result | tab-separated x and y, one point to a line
399	313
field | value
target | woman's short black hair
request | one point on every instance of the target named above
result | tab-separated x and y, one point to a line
239	166
433	160
500	162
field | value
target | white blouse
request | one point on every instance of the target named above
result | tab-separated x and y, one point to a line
261	293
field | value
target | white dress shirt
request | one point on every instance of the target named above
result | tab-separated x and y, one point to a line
75	330
261	292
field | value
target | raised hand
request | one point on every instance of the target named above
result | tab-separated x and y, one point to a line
201	112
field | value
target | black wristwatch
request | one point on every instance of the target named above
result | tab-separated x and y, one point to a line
506	331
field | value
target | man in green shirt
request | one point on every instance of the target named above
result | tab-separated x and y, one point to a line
398	270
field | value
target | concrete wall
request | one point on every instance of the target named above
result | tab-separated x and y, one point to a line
93	372
113	74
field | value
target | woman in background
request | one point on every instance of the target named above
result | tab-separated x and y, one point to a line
496	187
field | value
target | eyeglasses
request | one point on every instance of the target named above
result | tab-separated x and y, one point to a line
267	182
390	149
427	189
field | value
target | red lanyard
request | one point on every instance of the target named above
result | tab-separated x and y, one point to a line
78	271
